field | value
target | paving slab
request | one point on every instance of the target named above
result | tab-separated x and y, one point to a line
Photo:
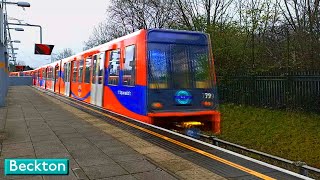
104	170
40	126
157	174
123	177
137	166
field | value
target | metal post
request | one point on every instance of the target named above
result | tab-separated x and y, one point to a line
303	171
40	34
3	60
301	165
2	28
214	142
34	25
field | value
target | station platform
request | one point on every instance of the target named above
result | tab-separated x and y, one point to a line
35	125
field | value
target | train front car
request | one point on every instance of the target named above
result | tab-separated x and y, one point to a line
181	87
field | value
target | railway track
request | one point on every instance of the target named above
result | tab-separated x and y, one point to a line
207	151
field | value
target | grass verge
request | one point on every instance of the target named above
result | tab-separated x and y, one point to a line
288	134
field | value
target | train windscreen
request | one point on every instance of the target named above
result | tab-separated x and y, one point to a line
178	61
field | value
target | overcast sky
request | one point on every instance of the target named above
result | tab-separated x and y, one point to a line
65	24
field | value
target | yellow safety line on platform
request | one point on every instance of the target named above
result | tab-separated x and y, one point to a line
2	64
237	166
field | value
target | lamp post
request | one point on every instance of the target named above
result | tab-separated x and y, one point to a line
21	4
12	49
15	41
3	49
33	25
17	29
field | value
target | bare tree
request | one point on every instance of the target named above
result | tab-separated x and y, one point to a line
104	32
303	19
255	35
137	14
67	52
126	16
201	14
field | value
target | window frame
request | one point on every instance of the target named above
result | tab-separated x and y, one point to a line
48	73
94	68
44	73
74	70
134	69
101	70
56	73
65	72
90	70
80	71
109	52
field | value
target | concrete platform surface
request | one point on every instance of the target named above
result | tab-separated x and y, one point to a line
34	125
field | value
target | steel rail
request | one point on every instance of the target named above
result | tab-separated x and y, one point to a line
303	167
214	142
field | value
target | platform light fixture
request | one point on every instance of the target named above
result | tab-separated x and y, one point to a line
27	24
17	29
20	3
14	48
16	41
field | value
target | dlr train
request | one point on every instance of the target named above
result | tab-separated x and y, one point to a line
160	77
22	73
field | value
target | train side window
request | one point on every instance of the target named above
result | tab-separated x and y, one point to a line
49	73
57	68
74	75
65	72
52	73
94	69
114	67
80	78
101	68
68	72
128	78
88	69
45	73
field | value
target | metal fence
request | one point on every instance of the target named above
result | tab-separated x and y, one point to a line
295	90
20	81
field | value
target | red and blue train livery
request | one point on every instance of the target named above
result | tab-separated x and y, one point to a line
161	77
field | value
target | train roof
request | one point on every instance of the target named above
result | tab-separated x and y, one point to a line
106	46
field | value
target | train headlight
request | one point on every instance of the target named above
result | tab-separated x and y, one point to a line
156	105
207	103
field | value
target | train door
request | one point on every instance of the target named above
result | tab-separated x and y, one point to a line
53	82
67	70
39	77
48	80
56	79
44	78
35	77
97	79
